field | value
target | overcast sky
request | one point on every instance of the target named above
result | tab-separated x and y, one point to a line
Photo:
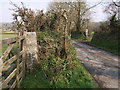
6	14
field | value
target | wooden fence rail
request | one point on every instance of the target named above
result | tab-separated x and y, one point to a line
12	70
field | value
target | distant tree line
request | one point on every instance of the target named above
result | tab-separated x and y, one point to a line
7	27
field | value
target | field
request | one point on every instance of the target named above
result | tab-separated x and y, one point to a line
4	36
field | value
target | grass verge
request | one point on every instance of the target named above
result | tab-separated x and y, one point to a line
110	46
80	78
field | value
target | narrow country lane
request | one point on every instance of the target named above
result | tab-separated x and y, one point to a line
102	65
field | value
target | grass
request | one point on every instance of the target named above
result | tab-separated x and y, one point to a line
80	79
3	36
80	37
110	46
3	47
107	41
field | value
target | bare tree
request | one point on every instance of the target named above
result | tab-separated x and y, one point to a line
113	9
81	10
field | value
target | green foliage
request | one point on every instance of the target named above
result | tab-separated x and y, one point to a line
91	36
108	45
35	80
61	72
56	54
82	37
107	41
79	36
51	55
76	78
108	36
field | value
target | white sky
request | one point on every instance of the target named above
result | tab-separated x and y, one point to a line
6	14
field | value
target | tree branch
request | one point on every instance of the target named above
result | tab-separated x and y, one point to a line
115	4
69	3
90	8
86	9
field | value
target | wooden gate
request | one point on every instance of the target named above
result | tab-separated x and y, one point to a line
12	68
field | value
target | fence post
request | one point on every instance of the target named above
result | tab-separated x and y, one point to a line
1	62
18	54
24	54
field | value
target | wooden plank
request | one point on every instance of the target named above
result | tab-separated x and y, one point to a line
21	38
21	52
21	64
13	85
20	75
21	80
1	62
0	86
24	56
11	40
7	63
7	51
7	80
17	72
8	40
